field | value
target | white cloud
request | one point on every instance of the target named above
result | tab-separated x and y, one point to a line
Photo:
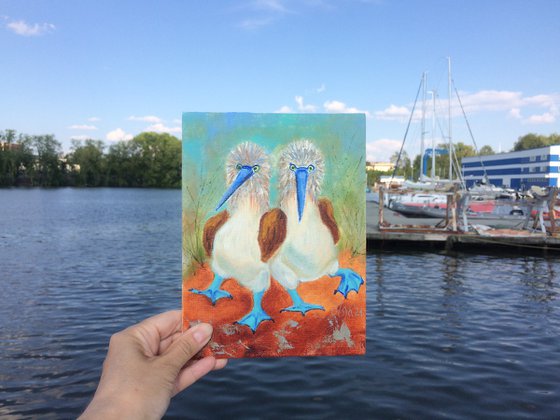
393	112
147	118
276	6
382	149
118	135
263	13
489	100
341	107
284	110
510	101
321	88
514	103
329	106
546	118
82	127
94	119
176	121
161	128
543	100
20	27
543	108
302	107
334	106
515	113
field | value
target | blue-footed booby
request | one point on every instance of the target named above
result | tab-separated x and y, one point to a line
309	250
241	239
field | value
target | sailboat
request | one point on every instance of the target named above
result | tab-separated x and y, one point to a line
427	197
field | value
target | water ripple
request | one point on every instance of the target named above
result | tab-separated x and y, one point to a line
449	336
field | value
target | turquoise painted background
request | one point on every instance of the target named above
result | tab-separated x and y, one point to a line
209	137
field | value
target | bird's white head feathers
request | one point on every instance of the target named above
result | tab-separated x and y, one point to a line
256	189
301	153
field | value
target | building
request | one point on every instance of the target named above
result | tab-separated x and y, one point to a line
5	146
517	170
380	166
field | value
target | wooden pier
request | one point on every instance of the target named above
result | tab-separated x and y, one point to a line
399	232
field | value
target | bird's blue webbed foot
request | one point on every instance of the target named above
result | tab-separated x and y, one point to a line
299	305
214	293
350	280
254	318
257	315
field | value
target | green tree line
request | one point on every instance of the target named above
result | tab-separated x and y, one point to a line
147	160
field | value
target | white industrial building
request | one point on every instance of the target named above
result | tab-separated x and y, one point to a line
517	170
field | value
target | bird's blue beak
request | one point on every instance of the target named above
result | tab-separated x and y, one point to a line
243	175
301	188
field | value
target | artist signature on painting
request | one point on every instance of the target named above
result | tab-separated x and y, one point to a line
346	312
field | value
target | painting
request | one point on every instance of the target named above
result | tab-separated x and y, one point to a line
274	243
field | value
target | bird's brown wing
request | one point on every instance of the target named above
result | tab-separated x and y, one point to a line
327	216
272	232
210	228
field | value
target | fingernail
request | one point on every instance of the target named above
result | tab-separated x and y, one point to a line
202	333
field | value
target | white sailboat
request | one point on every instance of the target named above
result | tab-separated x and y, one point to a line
422	197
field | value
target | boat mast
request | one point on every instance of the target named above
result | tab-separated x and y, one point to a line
423	128
433	135
449	104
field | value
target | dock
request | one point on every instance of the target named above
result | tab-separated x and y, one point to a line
402	232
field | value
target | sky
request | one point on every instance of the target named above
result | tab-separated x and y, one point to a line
109	70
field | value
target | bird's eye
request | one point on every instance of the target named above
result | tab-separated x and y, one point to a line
310	168
292	167
256	168
238	166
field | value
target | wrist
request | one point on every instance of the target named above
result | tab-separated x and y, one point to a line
118	406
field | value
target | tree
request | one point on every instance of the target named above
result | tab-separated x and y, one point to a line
486	150
47	170
7	162
373	177
530	141
416	168
148	160
403	165
156	160
553	139
88	163
119	165
460	150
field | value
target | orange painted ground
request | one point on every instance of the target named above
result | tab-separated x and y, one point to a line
339	330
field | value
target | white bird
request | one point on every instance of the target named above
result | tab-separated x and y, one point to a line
240	240
309	250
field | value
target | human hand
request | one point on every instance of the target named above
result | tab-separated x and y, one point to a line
147	364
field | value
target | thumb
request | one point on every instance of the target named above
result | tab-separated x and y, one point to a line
189	344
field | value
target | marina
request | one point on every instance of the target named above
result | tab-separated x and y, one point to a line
464	209
455	230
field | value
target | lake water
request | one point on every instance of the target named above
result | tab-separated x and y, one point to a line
448	336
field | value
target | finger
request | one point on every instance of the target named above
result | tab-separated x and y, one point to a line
193	373
220	364
186	346
164	324
165	343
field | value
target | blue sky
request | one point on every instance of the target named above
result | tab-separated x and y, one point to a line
112	69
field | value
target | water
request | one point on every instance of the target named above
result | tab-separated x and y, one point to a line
449	336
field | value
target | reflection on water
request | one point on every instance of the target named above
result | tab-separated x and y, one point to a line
377	276
449	336
538	277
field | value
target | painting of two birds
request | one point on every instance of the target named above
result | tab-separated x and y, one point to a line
274	232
